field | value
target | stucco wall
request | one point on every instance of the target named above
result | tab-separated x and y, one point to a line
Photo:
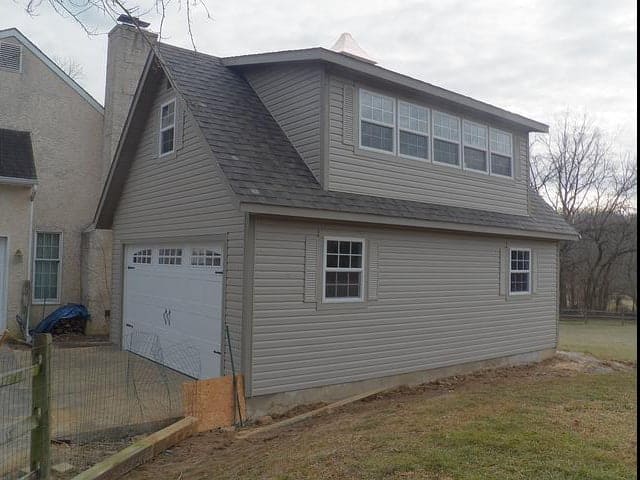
14	224
67	142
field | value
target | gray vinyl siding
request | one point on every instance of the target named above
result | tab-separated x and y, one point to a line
174	197
358	171
437	303
292	95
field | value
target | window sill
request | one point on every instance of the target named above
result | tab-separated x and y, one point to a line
342	306
48	302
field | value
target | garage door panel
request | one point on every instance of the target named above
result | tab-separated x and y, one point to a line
177	304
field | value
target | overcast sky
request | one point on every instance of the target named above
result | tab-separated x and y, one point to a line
536	58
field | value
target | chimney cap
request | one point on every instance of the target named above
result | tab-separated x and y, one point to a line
129	20
348	46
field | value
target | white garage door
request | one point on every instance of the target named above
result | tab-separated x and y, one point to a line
172	309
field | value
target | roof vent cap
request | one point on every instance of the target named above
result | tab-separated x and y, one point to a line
135	21
348	46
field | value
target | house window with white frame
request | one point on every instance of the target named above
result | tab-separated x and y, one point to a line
520	271
501	153
474	138
47	262
167	127
413	130
343	269
446	139
377	121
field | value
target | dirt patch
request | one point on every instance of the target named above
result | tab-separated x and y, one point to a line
84	456
220	450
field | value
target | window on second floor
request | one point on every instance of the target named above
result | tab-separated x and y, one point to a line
501	153
474	138
413	130
167	127
377	121
446	139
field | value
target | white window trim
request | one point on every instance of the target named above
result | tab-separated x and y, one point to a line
501	154
434	137
475	147
161	129
415	132
338	269
528	292
376	122
48	301
20	57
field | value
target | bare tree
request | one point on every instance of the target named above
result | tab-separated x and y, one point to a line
576	171
81	10
70	66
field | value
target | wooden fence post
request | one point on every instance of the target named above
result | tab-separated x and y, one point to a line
40	402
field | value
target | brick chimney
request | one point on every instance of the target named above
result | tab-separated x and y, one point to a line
126	56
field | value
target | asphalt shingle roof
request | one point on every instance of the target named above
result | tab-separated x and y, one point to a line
262	166
16	155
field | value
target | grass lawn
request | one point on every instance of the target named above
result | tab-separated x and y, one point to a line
548	421
605	340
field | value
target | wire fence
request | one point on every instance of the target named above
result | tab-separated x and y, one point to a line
101	399
585	316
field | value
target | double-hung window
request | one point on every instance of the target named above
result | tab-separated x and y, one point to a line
474	137
343	269
377	121
413	130
520	271
167	127
446	139
501	153
48	257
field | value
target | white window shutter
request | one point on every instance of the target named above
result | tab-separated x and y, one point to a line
372	266
310	268
347	115
504	272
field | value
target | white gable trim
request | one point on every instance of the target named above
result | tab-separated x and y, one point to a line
15	33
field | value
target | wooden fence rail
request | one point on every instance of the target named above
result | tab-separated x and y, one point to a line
38	423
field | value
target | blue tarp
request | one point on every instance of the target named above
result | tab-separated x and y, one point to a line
70	310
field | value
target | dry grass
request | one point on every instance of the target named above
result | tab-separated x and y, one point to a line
607	340
551	421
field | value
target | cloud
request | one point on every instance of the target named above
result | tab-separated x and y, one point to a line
533	58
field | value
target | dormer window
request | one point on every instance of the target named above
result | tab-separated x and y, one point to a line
446	139
474	138
413	128
167	127
10	57
377	121
501	153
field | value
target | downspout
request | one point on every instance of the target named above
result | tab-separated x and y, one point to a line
34	190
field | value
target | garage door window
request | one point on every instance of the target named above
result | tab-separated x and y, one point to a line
142	256
170	256
204	257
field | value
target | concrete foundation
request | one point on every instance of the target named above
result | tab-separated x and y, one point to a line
281	402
